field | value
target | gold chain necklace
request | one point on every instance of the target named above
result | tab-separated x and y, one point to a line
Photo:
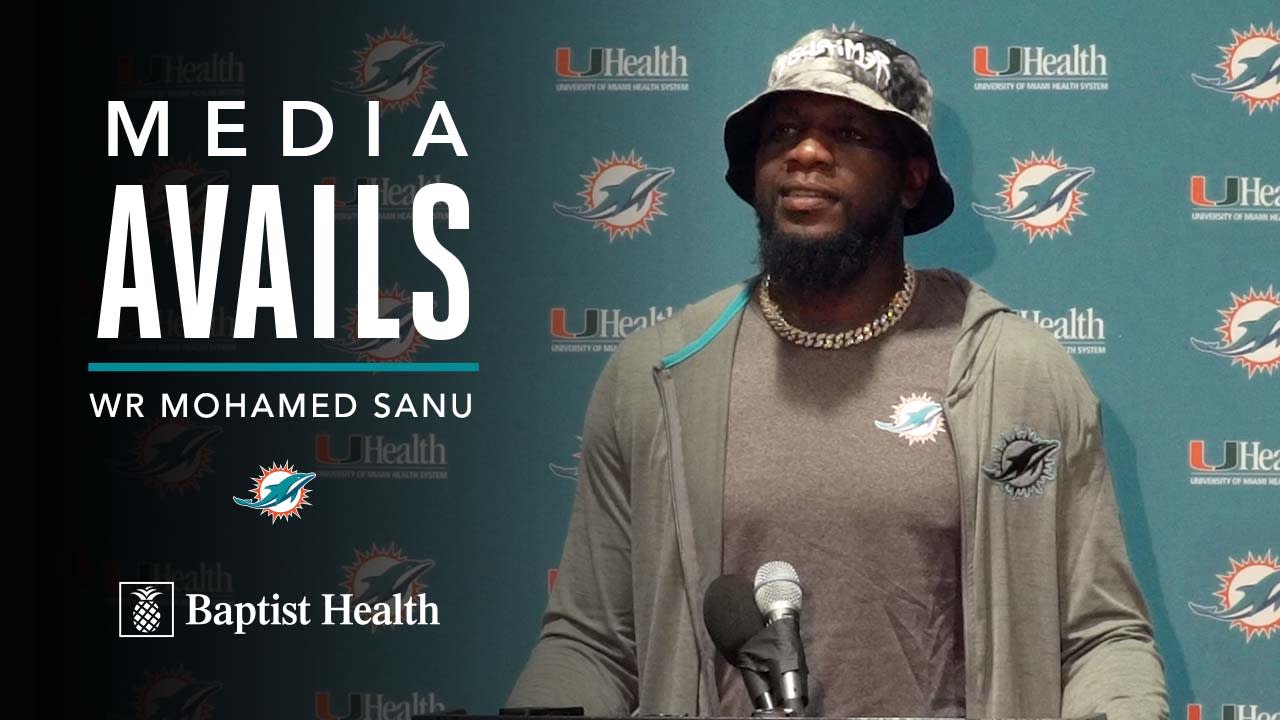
888	317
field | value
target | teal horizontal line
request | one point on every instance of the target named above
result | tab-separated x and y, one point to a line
284	367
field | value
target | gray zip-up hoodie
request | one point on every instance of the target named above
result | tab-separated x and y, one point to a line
1054	622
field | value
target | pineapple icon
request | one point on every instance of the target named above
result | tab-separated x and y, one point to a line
146	614
150	612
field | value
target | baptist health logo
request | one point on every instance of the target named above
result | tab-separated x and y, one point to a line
616	70
601	329
146	609
1242	199
1081	331
1248	596
393	69
621	196
1038	68
1041	196
1250	332
1250	69
1243	463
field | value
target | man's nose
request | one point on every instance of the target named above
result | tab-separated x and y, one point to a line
811	150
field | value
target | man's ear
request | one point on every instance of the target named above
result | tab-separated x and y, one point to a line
916	172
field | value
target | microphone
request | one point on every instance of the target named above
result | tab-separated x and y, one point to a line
732	619
779	598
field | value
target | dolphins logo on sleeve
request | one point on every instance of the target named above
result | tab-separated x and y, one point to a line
1022	462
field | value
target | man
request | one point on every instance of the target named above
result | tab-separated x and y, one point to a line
929	461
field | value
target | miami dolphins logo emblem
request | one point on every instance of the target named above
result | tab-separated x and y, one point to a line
170	456
393	69
279	491
1249	597
1041	196
185	173
380	575
568	471
1022	462
916	419
621	196
1250	332
174	694
1250	69
394	304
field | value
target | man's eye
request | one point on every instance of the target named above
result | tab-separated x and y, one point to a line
782	132
851	134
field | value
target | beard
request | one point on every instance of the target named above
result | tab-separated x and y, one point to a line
811	266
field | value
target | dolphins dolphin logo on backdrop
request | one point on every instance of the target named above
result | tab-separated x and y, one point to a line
402	311
285	491
1051	193
197	186
1258	70
176	452
1255	335
630	192
394	581
1255	599
392	71
185	703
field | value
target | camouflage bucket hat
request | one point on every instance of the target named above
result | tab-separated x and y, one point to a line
860	67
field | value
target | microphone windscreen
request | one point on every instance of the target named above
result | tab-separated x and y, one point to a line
730	612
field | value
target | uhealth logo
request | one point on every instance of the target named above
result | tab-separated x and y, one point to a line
393	69
615	69
1082	331
418	457
1248	597
146	609
1250	68
395	196
1041	196
621	196
218	75
1241	199
174	694
602	328
377	706
1241	462
1038	68
279	491
1250	332
1234	711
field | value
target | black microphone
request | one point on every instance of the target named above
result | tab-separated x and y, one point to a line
732	619
779	597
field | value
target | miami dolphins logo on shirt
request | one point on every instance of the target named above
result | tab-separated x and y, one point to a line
917	418
1022	462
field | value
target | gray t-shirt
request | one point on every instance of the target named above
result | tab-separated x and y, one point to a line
839	463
